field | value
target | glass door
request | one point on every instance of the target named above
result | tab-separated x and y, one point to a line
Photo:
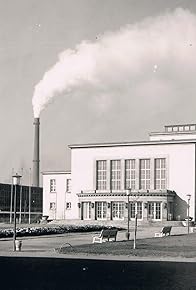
86	210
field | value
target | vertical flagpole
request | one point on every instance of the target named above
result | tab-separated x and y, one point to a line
29	195
20	207
11	199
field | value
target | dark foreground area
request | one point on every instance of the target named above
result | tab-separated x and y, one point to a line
54	273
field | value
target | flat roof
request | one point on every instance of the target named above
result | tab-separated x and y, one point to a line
134	143
56	172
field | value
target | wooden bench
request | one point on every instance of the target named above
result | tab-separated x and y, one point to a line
105	235
164	232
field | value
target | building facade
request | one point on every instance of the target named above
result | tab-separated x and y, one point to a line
57	197
151	178
28	203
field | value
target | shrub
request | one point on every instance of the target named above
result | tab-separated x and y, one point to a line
48	230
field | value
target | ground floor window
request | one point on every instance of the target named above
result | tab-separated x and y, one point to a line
136	207
52	205
154	210
86	207
101	210
118	210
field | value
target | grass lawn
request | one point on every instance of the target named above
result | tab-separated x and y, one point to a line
170	246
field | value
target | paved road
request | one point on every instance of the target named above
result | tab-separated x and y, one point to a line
81	274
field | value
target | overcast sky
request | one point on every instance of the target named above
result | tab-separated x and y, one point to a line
112	70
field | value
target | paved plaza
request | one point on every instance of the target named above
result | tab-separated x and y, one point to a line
44	246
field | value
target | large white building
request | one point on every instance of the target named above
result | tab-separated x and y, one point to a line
160	173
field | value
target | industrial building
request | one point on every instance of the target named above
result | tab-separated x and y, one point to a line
29	203
155	179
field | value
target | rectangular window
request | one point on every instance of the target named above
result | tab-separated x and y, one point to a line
130	174
68	205
52	185
118	210
154	210
144	173
101	178
68	185
116	174
160	173
101	210
52	205
136	207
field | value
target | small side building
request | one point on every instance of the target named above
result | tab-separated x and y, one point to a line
57	197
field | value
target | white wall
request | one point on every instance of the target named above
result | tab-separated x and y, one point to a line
180	162
60	197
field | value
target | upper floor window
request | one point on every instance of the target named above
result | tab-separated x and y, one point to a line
116	174
130	174
144	173
160	173
101	172
52	185
68	185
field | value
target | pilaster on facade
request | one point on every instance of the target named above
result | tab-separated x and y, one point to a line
108	174
152	173
137	174
93	216
122	174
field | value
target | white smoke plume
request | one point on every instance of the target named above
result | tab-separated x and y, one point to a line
158	47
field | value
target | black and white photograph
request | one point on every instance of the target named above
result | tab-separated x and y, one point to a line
98	146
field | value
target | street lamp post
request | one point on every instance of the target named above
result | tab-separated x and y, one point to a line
135	231
16	181
128	192
188	213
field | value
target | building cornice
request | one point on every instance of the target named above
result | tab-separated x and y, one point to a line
134	143
173	133
55	172
121	193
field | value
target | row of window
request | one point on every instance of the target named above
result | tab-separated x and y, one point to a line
52	205
53	185
118	210
130	172
180	128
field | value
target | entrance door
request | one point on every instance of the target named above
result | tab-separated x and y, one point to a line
136	207
154	210
118	210
101	210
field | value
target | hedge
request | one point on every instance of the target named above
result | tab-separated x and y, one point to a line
39	231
